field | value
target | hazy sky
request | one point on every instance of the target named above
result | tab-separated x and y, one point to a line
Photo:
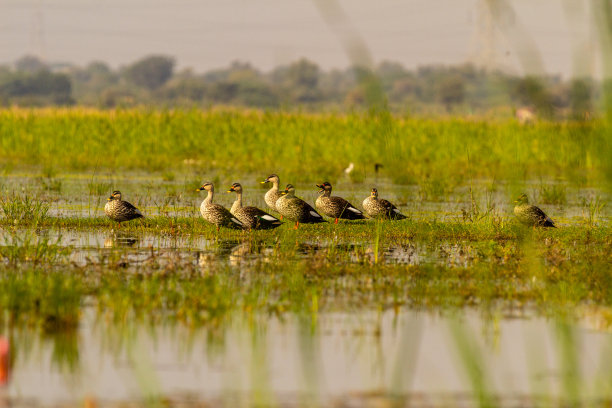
206	34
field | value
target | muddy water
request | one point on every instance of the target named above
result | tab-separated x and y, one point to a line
335	357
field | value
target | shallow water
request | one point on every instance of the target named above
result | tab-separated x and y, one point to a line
335	357
91	246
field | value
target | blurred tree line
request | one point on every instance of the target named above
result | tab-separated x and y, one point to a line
154	81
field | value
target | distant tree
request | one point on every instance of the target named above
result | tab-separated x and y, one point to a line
300	81
150	72
30	64
467	71
117	96
222	92
451	91
5	73
335	84
390	72
581	94
98	68
355	98
41	88
404	88
185	88
241	72
303	73
530	91
278	75
371	87
256	94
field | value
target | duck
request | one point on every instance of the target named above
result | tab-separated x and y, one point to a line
530	214
274	193
215	213
251	217
296	209
377	208
334	206
118	210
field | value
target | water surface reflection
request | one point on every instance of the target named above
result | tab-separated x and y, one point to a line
327	358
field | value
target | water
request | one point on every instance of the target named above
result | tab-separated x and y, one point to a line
337	357
92	246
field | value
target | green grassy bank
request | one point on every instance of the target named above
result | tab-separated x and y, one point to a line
303	146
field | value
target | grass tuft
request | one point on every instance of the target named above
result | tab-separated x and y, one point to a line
21	209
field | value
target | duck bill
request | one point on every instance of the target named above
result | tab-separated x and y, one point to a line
109	198
264	182
199	189
322	189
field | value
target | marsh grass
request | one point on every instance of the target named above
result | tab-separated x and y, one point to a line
99	188
552	271
429	152
28	247
168	176
592	208
487	225
52	184
49	300
553	193
21	209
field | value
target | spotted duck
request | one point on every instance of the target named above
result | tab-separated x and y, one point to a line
251	217
296	209
274	193
118	210
215	213
530	214
381	208
334	206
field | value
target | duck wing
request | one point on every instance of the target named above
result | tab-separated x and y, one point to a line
391	210
262	219
347	210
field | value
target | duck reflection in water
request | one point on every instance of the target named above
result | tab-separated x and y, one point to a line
120	241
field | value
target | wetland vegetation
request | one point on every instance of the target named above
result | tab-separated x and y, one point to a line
69	276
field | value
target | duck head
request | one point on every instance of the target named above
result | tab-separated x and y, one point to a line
116	195
207	185
236	187
522	199
325	187
272	178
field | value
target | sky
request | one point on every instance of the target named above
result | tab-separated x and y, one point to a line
552	36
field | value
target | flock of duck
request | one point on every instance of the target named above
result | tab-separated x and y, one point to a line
284	202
